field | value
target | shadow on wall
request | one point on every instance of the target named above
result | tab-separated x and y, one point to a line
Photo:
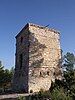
36	51
58	70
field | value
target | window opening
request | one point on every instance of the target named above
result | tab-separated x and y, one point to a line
40	73
48	73
21	60
21	39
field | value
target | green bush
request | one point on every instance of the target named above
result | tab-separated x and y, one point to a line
41	95
59	94
21	98
55	94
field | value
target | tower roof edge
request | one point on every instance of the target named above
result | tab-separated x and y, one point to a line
27	25
39	26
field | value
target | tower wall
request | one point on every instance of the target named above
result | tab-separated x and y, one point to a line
44	57
37	58
20	82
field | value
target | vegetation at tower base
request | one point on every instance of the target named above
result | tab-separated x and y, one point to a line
21	98
6	77
60	90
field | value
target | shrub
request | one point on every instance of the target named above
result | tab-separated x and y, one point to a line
59	94
41	95
21	98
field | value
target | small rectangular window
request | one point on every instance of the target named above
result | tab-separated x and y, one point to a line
21	60
21	39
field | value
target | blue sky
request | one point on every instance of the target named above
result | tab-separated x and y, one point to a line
14	14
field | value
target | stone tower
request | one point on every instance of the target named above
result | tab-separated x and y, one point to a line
38	57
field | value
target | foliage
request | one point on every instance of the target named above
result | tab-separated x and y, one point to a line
59	93
41	95
69	61
1	74
12	71
69	73
21	98
5	77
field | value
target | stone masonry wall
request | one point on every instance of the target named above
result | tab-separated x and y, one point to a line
38	57
44	56
20	82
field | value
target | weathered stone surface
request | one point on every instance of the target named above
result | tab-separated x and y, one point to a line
38	57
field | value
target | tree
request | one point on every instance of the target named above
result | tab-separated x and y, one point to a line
12	71
69	72
1	68
1	74
69	61
5	77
